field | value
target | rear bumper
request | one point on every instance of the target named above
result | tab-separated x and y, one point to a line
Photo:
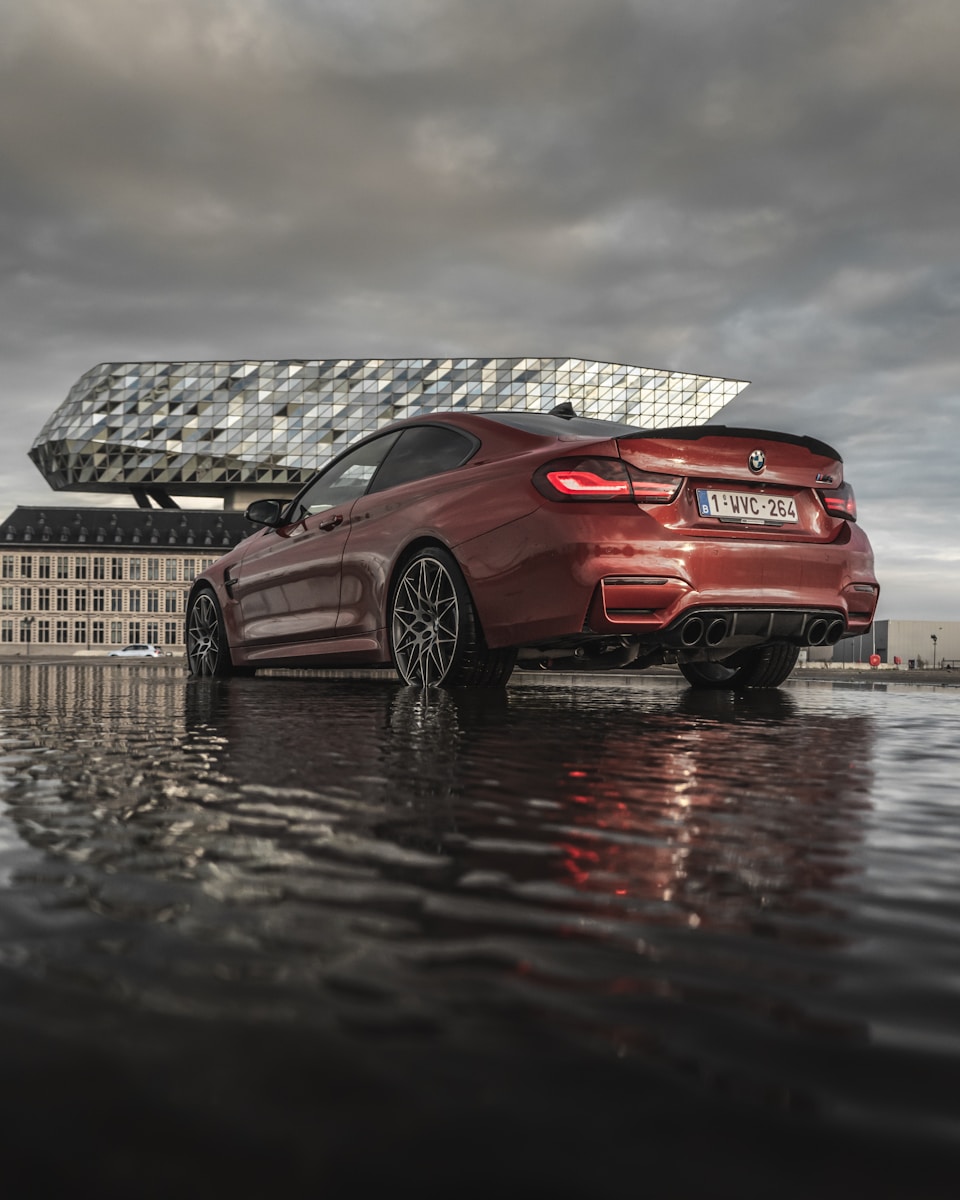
773	613
555	575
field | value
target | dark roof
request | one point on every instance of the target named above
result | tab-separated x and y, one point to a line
131	528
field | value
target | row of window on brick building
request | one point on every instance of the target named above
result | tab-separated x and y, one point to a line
94	599
168	568
24	630
26	599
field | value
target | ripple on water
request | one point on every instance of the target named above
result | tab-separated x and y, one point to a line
756	897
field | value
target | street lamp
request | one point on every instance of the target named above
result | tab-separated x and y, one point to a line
25	623
933	638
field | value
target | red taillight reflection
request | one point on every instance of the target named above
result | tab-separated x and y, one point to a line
839	502
603	479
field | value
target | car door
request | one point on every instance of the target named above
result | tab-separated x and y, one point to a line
412	485
287	585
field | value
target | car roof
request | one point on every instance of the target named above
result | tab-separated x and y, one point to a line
557	424
546	424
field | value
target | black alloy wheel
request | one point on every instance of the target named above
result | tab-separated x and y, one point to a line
435	637
207	650
763	667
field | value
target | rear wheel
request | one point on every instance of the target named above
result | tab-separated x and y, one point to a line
207	649
435	637
763	667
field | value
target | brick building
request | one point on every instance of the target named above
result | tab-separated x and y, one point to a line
91	580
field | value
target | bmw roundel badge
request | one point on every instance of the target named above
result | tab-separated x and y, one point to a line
757	461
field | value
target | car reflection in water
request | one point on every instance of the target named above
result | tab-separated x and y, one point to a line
593	843
705	805
584	883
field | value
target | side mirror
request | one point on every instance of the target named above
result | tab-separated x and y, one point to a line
266	512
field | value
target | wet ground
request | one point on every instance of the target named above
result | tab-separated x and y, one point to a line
300	936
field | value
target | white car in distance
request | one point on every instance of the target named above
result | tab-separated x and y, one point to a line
138	650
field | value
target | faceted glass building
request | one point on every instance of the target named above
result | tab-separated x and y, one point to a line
235	430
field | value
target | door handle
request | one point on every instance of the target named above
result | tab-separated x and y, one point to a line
332	523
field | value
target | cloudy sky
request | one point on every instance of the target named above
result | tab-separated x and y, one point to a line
762	189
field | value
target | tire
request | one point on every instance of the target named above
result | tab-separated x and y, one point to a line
208	653
764	667
435	637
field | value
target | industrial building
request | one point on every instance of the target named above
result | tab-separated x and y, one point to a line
908	644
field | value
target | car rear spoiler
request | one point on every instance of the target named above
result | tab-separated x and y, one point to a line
696	432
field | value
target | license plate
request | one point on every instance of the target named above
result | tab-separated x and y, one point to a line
749	507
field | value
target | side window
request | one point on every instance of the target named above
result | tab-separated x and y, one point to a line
344	480
421	451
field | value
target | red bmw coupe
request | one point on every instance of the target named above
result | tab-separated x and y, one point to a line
457	544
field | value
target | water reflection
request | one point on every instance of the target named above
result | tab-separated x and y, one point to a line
644	876
697	809
538	829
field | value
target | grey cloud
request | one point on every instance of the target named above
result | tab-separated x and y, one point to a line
765	191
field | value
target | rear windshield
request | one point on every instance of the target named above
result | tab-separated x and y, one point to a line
550	426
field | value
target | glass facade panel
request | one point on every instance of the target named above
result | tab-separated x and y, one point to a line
200	428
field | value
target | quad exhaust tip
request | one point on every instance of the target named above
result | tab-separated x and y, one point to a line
697	630
817	632
691	631
822	632
713	630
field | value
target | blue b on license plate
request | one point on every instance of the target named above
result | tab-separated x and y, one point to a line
750	507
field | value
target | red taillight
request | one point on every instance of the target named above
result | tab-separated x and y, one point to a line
603	479
584	483
650	488
839	502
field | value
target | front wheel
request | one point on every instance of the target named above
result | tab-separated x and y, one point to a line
435	637
207	649
763	667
